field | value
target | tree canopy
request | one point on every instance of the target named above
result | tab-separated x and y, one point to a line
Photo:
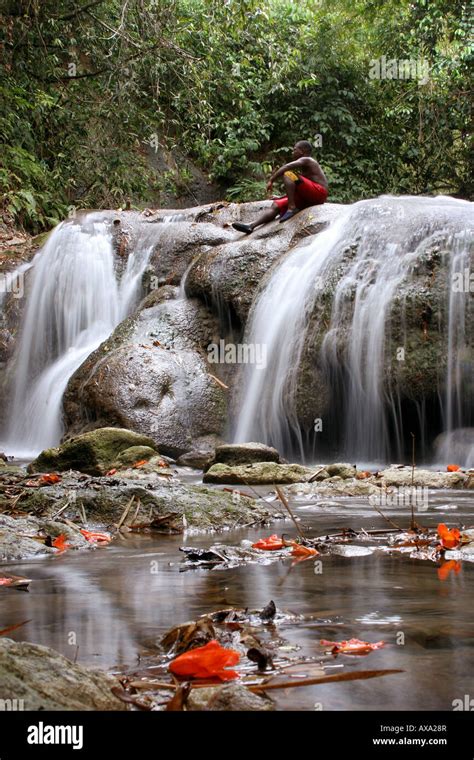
381	88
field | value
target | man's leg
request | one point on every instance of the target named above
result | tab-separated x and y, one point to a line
264	218
289	180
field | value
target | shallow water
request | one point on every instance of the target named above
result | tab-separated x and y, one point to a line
114	602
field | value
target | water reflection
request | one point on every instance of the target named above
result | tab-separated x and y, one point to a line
112	603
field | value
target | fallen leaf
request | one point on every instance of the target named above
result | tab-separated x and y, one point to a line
450	538
261	656
112	471
302	551
453	468
351	646
49	478
94	537
363	475
188	636
208	661
268	612
60	544
272	543
140	463
447	568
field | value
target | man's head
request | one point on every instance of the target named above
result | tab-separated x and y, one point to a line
302	148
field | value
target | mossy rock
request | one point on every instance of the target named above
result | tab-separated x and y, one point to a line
261	473
94	452
134	454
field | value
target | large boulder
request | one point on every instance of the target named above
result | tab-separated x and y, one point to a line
152	376
39	678
94	452
230	274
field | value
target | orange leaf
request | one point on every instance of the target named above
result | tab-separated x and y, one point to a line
60	543
50	478
449	538
208	661
363	475
95	537
352	646
453	468
112	471
140	463
302	551
269	544
448	567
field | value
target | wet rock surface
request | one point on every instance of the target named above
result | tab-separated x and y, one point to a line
234	454
152	376
94	452
232	697
46	680
259	473
148	499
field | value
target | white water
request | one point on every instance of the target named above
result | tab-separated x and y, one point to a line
75	300
390	233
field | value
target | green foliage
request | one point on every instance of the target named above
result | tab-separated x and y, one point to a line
232	84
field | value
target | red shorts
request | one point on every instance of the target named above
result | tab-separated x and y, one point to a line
308	193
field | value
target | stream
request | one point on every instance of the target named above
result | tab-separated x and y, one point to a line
109	607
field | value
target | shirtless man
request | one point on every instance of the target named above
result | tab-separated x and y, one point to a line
307	188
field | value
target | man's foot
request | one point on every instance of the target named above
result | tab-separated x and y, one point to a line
241	227
288	214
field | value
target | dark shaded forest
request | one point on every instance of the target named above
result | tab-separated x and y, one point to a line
89	88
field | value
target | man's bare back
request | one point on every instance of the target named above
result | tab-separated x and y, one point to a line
305	184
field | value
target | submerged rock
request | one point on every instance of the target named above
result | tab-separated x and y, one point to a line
259	473
46	680
94	452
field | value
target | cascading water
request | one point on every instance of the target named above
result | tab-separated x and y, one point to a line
76	297
358	265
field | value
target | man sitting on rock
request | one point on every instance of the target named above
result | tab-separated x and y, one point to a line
308	187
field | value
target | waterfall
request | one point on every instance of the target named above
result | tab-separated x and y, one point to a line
76	296
358	266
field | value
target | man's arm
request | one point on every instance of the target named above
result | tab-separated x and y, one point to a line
299	164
